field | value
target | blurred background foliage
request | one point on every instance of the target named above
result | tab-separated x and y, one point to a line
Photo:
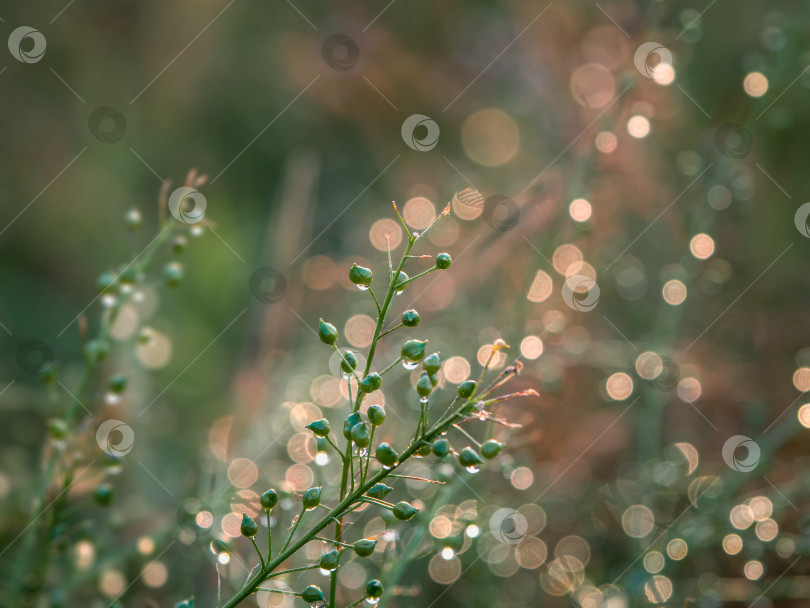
539	103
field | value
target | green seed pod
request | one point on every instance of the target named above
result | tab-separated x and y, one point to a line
374	589
491	449
57	428
404	511
319	428
173	273
379	491
248	527
370	383
269	499
434	379
96	350
466	389
360	275
410	318
312	498
361	435
327	332
443	261
468	457
189	603
413	350
386	455
441	447
107	282
365	547
376	414
313	595
179	243
103	494
129	275
424	450
117	384
348	362
133	220
432	364
351	420
330	560
401	279
424	386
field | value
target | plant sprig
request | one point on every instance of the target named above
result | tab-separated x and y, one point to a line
365	486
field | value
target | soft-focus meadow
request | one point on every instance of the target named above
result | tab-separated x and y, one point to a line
627	184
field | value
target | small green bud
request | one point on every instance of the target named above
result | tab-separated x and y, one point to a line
312	498
441	447
96	350
401	279
133	220
348	362
466	389
249	527
351	420
364	547
468	457
103	494
370	383
434	379
379	490
129	275
404	511
107	282
173	273
424	449
57	428
374	589
432	364
319	427
424	386
360	275
376	414
361	435
189	603
269	499
179	243
313	595
413	350
410	318
330	560
117	384
386	455
327	332
443	261
491	449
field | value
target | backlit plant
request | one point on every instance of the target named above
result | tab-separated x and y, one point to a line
369	468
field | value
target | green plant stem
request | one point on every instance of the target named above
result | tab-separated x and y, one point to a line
388	331
467	435
334	542
255	546
301	569
413	278
375	300
357	603
292	532
337	449
344	506
269	536
391	366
